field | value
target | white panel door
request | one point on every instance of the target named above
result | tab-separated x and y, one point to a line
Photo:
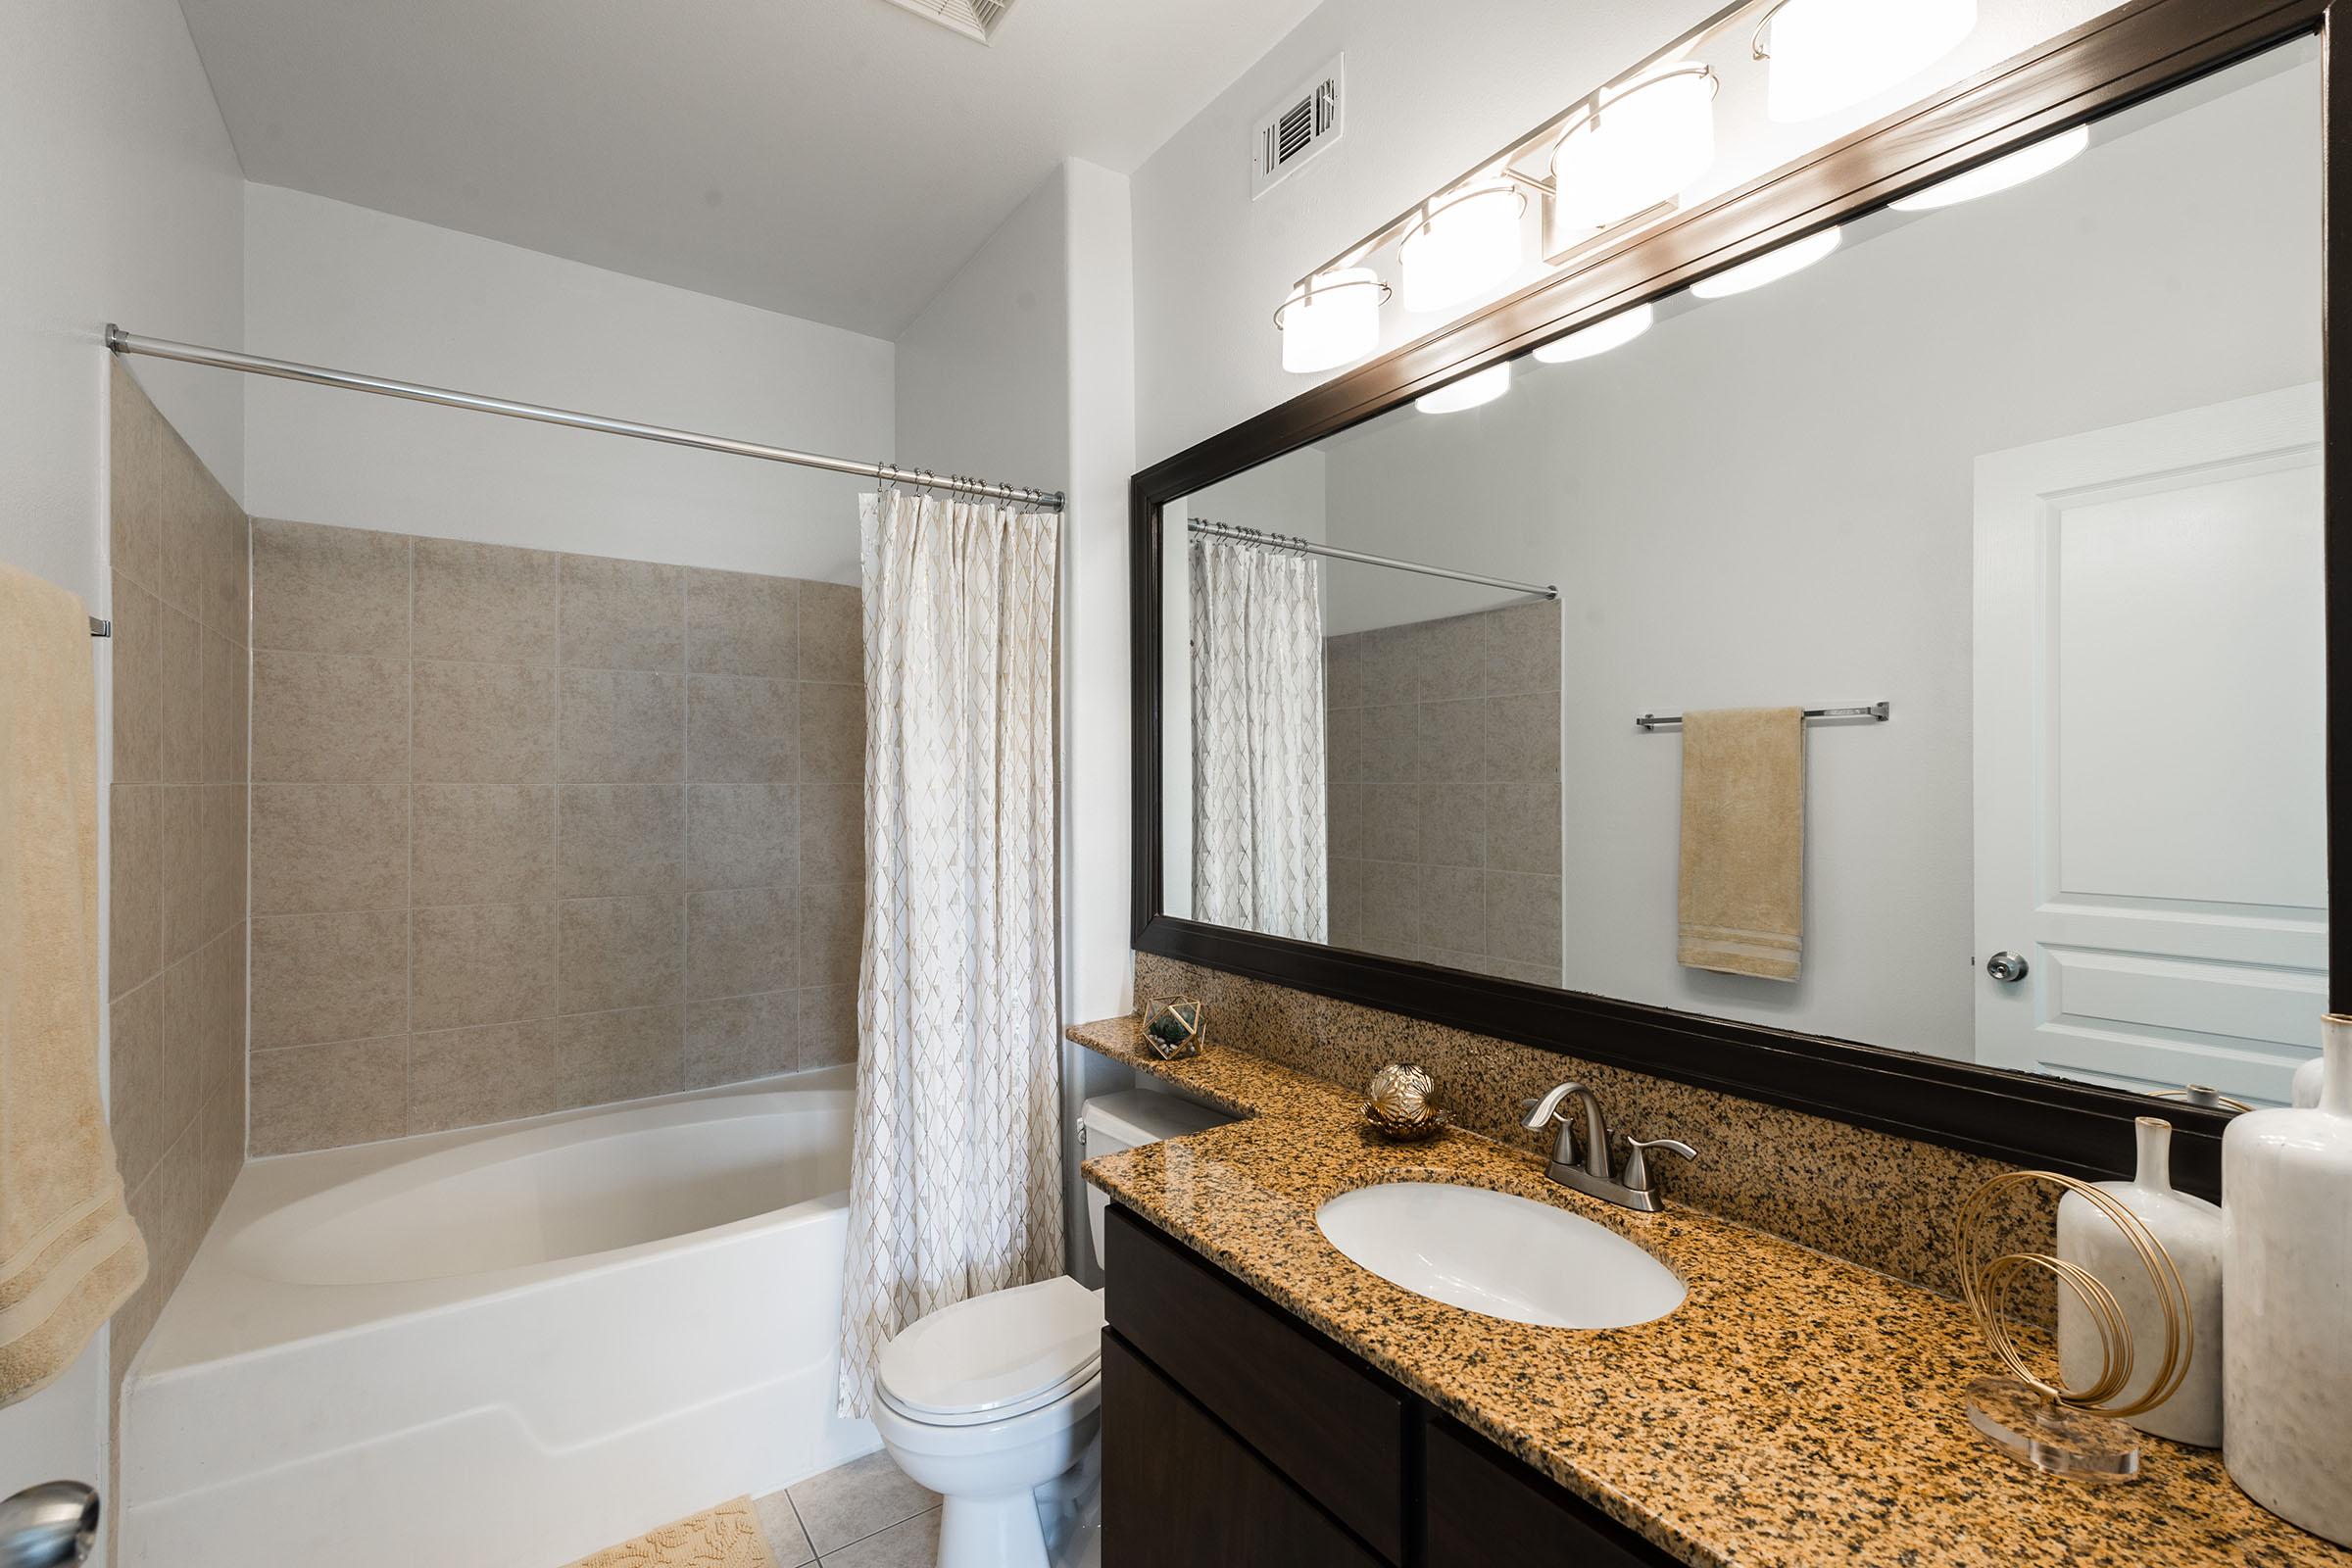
2150	750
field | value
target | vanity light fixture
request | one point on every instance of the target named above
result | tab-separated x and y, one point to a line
1467	241
1600	337
1331	319
1472	390
1771	266
1637	146
1828	54
2001	173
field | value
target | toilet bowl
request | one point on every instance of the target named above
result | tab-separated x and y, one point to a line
996	1402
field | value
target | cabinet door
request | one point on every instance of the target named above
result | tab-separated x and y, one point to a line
1485	1507
1180	1492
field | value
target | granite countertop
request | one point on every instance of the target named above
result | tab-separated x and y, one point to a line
1797	1410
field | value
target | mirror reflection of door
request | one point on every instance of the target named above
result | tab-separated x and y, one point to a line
2150	778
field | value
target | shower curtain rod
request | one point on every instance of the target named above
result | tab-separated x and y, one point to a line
121	342
1284	541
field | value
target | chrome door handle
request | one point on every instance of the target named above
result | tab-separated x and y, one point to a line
49	1526
2007	967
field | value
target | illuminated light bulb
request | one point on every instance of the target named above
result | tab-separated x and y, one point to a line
1827	54
1480	386
1466	242
1331	319
1600	337
1769	267
2029	163
1648	143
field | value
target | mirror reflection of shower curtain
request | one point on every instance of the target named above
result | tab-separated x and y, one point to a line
1261	820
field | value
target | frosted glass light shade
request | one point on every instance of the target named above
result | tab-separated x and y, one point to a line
1648	142
1480	386
1335	320
1466	243
1599	338
1769	267
2001	173
1827	54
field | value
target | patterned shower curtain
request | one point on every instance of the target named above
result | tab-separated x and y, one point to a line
1261	826
956	1169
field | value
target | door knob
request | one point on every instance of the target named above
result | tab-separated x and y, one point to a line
2006	967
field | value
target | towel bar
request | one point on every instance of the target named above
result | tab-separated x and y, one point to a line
1879	712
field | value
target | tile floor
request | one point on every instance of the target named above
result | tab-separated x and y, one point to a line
863	1514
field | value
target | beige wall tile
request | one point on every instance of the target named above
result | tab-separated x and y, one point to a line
1523	827
623	728
1344	672
1392	823
190	1044
832	930
1428	661
832	832
1453	907
483	604
621	953
743	835
329	977
183	1213
224	993
1347	912
182	687
602	1057
221	1147
322	1097
1344	819
127	1330
330	846
832	734
188	916
137	651
134	476
620	839
1523	917
221	826
466	1077
322	718
482	963
832	633
183	515
134	883
225	679
321	590
483	843
483	723
226	560
1523	736
622	615
741	730
134	1054
739	623
828	1025
736	1037
1524	651
740	941
1343	745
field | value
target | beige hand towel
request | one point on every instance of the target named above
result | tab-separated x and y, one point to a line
69	1251
1744	841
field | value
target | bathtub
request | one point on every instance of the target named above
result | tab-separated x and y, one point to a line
504	1348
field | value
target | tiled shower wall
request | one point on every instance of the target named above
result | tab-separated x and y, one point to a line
1443	744
534	831
175	843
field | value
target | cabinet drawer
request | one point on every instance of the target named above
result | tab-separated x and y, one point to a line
1323	1418
1181	1492
1485	1507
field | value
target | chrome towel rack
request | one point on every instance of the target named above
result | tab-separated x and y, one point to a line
1878	712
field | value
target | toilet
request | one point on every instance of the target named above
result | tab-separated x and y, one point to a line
996	1402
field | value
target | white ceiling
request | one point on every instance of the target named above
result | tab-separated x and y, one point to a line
836	159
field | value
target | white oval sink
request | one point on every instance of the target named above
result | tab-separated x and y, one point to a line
1506	1256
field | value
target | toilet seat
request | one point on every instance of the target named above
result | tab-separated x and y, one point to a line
993	1357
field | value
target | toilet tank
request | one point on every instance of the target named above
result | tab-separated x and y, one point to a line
1130	1118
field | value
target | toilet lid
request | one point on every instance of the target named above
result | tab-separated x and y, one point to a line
995	1355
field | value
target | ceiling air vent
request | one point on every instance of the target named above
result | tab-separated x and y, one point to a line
974	19
1295	130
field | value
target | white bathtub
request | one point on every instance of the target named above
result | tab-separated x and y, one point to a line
504	1348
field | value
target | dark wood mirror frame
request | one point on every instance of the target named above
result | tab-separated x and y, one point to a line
2108	64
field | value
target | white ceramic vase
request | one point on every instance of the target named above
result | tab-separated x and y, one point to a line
2286	1266
2307	1083
2189	1230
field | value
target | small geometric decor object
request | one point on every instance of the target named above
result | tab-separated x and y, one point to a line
1175	1027
725	1537
2074	1432
1399	1109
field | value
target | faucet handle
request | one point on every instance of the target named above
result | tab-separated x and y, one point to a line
1637	1164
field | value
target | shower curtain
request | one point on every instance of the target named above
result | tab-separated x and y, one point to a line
956	1168
1260	825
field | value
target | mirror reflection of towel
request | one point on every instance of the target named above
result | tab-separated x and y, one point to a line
1742	903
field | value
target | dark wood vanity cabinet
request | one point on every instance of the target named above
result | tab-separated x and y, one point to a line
1233	1434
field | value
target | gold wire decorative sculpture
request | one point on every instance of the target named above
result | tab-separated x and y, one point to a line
2074	1431
1175	1027
1399	1109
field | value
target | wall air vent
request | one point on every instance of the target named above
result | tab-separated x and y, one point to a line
974	19
1297	130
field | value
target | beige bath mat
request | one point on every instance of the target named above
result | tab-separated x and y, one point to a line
725	1537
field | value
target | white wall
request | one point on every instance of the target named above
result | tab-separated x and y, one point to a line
1769	500
332	284
122	200
1431	88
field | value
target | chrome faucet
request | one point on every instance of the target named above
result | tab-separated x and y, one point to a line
1591	1175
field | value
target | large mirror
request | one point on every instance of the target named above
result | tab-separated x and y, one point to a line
1938	654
